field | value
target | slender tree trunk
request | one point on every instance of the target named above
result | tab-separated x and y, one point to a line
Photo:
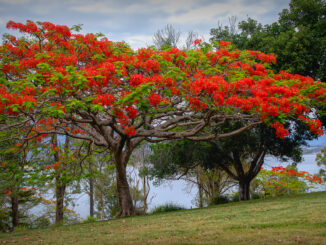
102	205
126	205
14	209
91	197
200	193
60	186
60	194
244	193
145	193
200	188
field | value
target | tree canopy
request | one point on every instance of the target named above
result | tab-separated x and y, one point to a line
297	38
93	89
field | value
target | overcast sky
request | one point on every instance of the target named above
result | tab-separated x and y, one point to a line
136	21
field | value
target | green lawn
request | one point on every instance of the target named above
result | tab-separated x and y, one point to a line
287	220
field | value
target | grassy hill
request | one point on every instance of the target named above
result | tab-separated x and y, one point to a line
287	220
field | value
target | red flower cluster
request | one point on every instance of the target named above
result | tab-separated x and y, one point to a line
131	111
224	44
122	118
131	131
154	99
314	125
136	80
104	99
55	166
86	67
197	41
281	132
292	172
10	99
151	65
196	104
265	58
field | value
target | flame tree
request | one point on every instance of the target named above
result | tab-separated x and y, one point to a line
87	87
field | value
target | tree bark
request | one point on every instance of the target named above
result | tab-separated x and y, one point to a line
126	205
145	194
102	205
244	193
14	209
60	186
199	186
200	195
60	193
91	197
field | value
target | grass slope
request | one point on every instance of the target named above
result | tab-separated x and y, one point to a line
287	220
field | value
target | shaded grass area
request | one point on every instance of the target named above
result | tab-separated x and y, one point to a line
287	220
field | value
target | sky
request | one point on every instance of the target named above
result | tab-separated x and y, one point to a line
136	21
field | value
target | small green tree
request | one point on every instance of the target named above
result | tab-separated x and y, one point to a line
188	161
16	167
321	162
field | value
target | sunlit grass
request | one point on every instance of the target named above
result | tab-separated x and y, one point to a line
287	220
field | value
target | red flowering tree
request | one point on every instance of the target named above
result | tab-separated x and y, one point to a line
281	181
90	88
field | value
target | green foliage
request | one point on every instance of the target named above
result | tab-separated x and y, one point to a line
40	223
89	219
168	207
219	200
321	162
297	38
76	28
106	191
279	183
4	220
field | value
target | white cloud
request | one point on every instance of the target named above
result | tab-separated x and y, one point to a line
15	1
211	12
135	21
173	6
109	7
3	21
139	41
98	7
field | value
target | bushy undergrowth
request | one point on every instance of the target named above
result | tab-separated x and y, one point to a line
89	219
219	200
168	207
4	221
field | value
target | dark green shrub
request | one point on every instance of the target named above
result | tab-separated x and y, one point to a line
219	200
168	207
256	195
89	219
235	197
4	221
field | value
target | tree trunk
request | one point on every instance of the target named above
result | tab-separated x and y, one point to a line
14	209
60	186
200	188
125	201
60	193
145	194
102	205
244	193
200	193
91	197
